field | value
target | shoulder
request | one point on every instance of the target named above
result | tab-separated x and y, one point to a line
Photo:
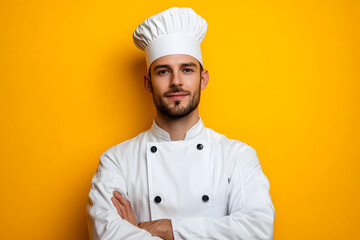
222	141
128	146
243	155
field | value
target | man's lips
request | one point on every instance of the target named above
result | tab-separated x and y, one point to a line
176	95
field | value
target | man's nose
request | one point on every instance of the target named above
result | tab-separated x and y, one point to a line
176	80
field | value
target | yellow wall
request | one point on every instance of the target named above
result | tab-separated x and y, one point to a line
284	78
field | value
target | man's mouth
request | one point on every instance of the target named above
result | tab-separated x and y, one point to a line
176	96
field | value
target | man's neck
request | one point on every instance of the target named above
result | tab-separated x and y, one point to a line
177	127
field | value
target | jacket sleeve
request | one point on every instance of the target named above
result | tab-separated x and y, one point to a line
103	220
250	209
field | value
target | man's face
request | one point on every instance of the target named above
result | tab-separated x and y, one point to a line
176	81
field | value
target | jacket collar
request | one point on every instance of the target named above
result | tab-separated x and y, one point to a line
161	135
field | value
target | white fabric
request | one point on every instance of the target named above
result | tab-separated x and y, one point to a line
173	31
227	171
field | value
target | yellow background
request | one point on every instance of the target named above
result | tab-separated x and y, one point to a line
284	78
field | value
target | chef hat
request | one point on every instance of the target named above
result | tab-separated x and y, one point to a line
173	31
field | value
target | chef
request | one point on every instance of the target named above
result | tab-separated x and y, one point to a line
179	179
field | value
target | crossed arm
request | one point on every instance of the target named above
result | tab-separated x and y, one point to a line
160	228
250	210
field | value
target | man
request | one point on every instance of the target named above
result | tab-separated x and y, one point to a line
178	180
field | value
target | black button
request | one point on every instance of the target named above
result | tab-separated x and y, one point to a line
157	199
205	198
153	149
199	146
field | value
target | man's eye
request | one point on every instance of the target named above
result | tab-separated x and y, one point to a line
162	71
188	70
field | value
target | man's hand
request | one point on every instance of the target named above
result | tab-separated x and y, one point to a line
161	228
124	209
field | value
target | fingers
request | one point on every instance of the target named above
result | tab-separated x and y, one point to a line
120	209
122	200
123	208
124	205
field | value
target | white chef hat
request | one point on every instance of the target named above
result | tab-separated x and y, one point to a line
173	31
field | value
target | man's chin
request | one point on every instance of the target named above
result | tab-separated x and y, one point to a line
176	112
175	108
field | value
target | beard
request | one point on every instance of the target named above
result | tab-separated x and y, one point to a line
177	111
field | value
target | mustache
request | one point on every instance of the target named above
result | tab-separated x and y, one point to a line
176	90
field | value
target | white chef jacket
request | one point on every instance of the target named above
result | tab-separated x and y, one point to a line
211	187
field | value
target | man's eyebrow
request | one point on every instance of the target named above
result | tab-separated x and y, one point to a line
190	64
161	66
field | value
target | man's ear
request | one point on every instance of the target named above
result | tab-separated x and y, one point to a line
204	79
147	84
